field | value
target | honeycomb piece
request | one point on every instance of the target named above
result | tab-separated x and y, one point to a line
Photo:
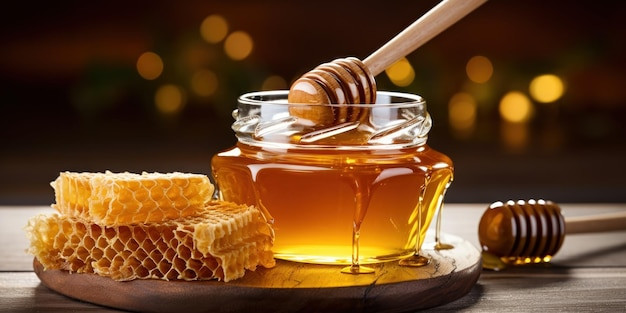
113	199
221	242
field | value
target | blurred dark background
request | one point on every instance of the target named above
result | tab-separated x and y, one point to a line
78	91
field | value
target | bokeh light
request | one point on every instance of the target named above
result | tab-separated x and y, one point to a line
149	65
214	28
479	69
516	107
169	99
238	45
204	83
462	111
546	88
274	82
401	73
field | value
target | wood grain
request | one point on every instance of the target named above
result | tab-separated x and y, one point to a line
596	223
289	287
587	275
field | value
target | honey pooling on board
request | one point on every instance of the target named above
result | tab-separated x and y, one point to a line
521	232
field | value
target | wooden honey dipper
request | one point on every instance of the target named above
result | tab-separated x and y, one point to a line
533	231
349	81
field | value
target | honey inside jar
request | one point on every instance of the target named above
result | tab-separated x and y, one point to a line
316	193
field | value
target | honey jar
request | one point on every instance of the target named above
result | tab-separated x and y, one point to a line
370	185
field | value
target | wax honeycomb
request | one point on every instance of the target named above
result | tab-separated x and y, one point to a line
113	199
220	242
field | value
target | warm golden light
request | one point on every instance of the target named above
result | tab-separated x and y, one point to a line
169	99
149	65
214	28
274	82
462	111
516	107
546	88
401	73
238	45
204	83
479	69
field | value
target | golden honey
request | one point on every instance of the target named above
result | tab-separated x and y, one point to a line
373	183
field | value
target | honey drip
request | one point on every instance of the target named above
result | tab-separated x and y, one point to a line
362	192
417	259
438	244
349	207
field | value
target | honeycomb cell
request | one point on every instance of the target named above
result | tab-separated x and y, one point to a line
113	199
220	242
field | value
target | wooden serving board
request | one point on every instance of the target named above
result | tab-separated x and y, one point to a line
289	287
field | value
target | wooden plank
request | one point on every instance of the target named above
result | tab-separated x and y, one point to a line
13	240
588	274
547	290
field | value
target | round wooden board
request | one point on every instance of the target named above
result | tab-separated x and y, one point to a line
289	287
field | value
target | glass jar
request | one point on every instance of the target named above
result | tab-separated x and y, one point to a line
323	186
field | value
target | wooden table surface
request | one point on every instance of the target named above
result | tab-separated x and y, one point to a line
587	275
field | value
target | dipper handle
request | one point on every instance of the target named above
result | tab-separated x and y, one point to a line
595	223
429	25
350	81
519	232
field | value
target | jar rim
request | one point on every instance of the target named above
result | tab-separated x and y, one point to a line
397	120
256	98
